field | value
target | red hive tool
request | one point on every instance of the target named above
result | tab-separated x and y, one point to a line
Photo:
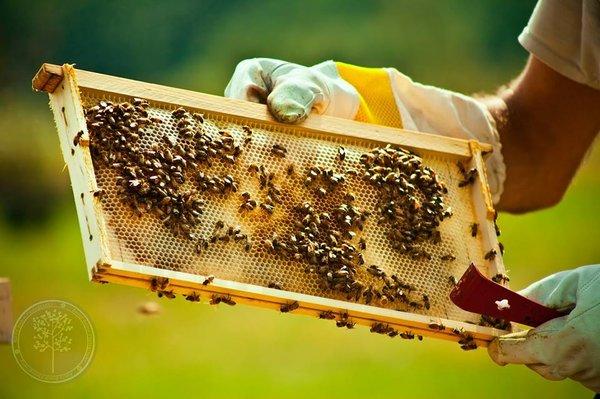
476	293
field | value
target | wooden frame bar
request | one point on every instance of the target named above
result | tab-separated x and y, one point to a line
6	321
68	112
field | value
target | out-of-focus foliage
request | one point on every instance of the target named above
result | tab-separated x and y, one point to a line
188	350
462	45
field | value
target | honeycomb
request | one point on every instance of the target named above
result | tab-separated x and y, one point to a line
145	240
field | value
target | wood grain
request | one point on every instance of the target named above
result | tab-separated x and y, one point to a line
47	78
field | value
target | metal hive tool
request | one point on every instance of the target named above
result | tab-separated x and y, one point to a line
130	249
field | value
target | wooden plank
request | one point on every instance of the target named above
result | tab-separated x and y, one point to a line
47	78
272	298
168	96
6	321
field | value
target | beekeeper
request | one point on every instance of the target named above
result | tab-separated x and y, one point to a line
540	125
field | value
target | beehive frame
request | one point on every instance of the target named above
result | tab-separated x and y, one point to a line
66	86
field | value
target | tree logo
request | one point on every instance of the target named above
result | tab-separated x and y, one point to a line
53	341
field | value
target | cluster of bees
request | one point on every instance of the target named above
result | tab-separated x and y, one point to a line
468	176
223	233
325	180
386	329
411	198
325	242
266	181
148	178
155	179
466	340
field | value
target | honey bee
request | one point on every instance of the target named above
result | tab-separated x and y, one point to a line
474	229
290	169
468	176
77	138
368	295
341	153
327	315
436	326
490	255
179	112
253	168
167	294
361	259
289	307
274	285
226	299
381	328
500	278
448	257
279	150
469	346
208	280
193	297
452	280
466	341
268	208
158	283
426	301
362	244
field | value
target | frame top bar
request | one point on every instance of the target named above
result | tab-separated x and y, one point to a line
49	77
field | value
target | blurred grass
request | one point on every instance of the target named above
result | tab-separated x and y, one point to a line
198	350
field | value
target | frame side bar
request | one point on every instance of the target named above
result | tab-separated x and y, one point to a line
70	124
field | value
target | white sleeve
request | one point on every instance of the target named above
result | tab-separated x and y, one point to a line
565	35
430	109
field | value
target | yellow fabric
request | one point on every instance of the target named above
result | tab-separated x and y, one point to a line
377	104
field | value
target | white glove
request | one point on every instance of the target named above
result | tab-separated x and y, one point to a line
566	347
292	90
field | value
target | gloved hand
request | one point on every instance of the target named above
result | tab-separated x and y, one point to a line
375	95
566	347
291	91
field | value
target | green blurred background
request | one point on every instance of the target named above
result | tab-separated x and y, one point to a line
202	351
